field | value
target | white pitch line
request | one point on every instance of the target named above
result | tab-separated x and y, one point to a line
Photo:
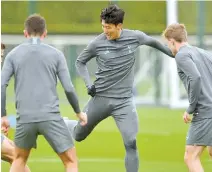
104	160
90	160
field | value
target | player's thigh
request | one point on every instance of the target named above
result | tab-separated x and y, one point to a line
26	135
97	109
21	154
193	151
7	150
57	134
126	118
199	133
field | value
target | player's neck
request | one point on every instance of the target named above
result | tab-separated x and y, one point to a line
118	34
34	37
179	45
41	37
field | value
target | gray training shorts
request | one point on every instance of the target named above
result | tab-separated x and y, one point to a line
55	132
200	133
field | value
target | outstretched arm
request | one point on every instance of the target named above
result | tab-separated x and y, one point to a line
65	79
149	41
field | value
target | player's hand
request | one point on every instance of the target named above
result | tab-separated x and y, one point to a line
83	118
92	91
5	125
186	117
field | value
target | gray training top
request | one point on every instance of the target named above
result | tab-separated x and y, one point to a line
115	60
35	66
195	70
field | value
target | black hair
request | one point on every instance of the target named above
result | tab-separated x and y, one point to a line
112	15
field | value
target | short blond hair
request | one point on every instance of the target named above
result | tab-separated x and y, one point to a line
176	31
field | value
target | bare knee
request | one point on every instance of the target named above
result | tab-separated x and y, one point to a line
192	153
8	151
9	158
21	155
69	157
187	158
189	155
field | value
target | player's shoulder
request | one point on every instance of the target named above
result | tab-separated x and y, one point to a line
54	53
186	49
18	47
98	38
130	32
134	34
202	51
44	46
14	51
96	41
50	48
184	52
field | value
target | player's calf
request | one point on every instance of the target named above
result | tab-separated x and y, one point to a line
131	159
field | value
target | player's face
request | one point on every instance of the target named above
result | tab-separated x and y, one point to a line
2	54
111	31
172	46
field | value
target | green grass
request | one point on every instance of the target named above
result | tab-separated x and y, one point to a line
160	141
